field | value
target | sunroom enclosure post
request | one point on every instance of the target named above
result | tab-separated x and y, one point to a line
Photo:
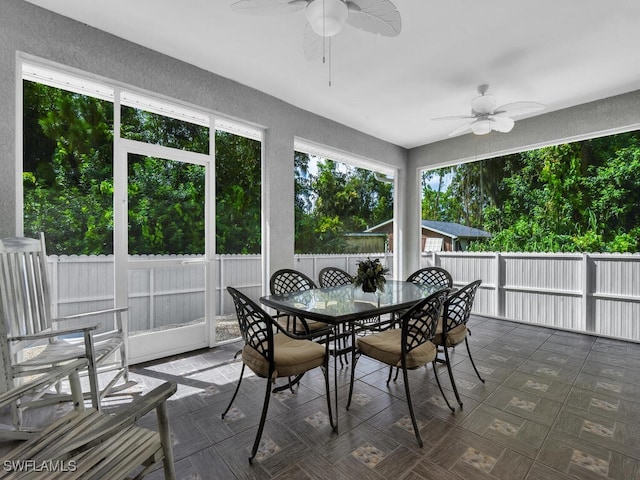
277	204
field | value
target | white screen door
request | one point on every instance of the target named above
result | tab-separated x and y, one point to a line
164	228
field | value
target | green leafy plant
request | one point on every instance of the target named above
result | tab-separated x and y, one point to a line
371	275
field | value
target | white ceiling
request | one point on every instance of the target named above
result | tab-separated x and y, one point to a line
557	52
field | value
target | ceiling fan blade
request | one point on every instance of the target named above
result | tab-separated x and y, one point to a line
462	129
501	124
268	7
455	117
312	44
375	16
518	108
381	177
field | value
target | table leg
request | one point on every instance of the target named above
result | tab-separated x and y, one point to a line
336	340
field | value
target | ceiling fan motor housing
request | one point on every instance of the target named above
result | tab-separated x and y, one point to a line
483	105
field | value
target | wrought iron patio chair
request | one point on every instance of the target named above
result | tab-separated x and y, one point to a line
453	327
406	348
32	342
274	355
432	276
437	276
286	281
334	276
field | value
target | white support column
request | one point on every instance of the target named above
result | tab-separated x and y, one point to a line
498	294
407	237
587	315
278	228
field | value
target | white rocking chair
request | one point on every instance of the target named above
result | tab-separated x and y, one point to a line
32	343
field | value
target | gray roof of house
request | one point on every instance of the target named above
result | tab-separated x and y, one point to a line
448	229
454	230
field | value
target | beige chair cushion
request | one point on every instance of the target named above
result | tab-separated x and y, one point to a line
385	347
291	357
454	336
313	325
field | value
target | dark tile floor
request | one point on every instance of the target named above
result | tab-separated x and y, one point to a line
555	405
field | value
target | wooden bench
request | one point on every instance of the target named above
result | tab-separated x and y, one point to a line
88	444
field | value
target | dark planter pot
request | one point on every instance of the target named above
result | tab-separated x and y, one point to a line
369	286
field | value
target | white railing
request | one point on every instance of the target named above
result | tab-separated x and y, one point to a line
597	293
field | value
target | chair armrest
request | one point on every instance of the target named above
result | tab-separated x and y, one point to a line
47	379
124	417
91	314
53	333
138	408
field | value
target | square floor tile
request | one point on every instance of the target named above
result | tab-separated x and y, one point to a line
503	428
583	459
600	430
525	404
471	456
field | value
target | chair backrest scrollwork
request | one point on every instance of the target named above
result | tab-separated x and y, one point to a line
288	281
432	276
420	323
333	277
458	306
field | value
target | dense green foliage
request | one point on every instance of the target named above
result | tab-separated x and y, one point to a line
68	174
238	194
166	197
335	200
583	196
68	179
68	184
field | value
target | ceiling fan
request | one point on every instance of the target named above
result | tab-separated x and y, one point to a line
486	116
325	18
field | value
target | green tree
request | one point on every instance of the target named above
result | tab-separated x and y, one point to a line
166	206
238	194
338	199
582	196
68	179
67	174
573	197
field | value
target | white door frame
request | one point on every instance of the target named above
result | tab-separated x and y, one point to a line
158	344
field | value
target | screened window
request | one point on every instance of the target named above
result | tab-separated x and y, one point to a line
336	204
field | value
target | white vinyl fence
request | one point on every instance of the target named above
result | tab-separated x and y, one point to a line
597	293
167	293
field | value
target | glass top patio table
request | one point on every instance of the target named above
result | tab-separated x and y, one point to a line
345	303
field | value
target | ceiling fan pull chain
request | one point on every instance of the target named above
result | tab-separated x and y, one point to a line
329	61
324	40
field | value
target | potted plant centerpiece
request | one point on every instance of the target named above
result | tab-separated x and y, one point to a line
371	275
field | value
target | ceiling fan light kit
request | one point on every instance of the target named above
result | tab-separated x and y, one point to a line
481	127
326	17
